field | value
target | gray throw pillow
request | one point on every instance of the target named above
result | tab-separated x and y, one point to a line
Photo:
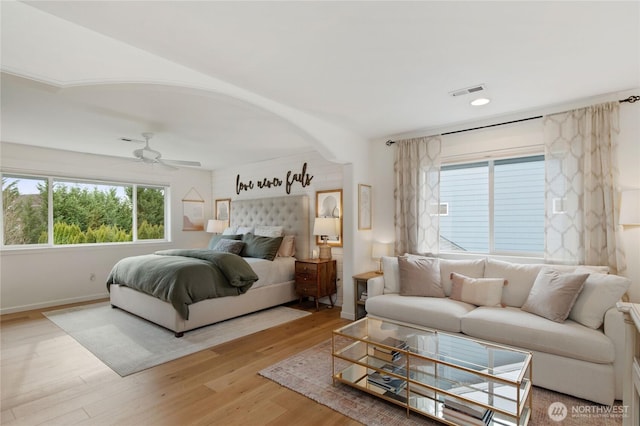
553	294
215	238
419	276
260	247
229	246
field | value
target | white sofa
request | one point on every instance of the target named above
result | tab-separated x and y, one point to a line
568	357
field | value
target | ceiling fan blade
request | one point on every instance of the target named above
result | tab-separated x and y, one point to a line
165	165
183	162
131	140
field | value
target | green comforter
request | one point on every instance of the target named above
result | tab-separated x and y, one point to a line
183	277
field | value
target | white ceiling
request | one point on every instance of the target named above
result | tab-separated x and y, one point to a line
370	69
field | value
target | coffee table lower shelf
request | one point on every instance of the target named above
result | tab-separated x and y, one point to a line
418	402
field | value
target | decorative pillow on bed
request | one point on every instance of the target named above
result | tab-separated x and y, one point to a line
269	231
553	294
260	247
229	246
477	291
419	276
214	239
244	230
287	247
230	230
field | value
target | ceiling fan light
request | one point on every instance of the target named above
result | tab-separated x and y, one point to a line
480	101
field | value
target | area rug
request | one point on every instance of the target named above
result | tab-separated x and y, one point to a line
128	344
309	373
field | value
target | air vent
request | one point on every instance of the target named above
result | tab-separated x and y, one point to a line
468	90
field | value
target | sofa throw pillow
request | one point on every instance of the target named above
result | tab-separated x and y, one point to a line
391	273
469	268
260	247
419	276
229	246
520	277
553	294
599	294
477	291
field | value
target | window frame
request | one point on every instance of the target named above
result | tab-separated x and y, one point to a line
52	179
490	162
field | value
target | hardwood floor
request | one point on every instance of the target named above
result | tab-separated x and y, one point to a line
49	378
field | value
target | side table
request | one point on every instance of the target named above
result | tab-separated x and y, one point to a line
315	278
359	287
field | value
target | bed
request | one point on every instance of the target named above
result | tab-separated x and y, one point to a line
275	285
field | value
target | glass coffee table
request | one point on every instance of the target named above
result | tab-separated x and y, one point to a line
448	377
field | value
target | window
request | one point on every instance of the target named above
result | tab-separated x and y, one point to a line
494	206
82	212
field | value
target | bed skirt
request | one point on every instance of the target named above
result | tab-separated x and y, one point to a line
202	313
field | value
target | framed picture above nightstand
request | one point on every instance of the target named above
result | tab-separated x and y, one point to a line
360	292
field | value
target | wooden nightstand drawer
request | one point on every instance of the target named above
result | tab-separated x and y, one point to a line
310	269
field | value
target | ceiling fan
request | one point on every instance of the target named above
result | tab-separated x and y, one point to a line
151	156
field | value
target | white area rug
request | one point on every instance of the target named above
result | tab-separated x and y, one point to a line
128	344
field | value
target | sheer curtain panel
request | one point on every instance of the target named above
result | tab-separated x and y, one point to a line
582	202
417	195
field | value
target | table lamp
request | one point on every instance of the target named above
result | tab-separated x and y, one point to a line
325	226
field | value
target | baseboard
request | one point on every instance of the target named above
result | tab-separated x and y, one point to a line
53	303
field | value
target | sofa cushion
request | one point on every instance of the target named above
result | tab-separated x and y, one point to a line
553	294
432	312
519	276
477	291
419	276
599	294
391	273
470	268
513	326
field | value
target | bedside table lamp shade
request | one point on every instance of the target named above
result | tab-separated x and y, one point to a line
325	226
216	226
377	251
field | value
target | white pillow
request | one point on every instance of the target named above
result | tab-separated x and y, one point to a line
469	268
477	291
231	230
269	231
244	230
519	276
391	271
599	294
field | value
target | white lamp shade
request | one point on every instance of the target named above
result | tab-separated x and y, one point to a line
379	249
325	226
216	226
630	207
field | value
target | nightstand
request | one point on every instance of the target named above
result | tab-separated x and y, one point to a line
315	278
359	287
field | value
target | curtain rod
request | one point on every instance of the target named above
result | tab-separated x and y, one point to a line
630	99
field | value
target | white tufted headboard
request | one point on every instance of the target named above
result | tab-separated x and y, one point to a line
291	211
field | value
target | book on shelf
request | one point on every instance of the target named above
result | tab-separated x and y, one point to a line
386	381
390	355
466	408
464	419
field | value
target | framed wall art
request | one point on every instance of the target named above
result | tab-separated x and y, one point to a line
223	209
364	207
193	211
329	204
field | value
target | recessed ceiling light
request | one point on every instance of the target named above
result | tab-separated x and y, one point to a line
480	101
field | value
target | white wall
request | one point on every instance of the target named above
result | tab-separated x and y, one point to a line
36	278
462	144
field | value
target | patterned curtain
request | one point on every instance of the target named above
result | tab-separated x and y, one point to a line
582	203
417	194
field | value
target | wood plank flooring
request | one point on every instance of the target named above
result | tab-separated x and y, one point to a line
48	378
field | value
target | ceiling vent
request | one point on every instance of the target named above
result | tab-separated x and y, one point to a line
468	90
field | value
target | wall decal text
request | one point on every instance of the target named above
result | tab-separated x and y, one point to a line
303	178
